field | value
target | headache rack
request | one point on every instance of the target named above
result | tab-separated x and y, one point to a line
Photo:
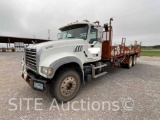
30	57
117	51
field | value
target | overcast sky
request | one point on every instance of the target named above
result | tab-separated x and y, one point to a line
134	19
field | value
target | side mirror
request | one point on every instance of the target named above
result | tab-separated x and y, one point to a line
99	36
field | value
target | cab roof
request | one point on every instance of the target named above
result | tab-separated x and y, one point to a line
76	23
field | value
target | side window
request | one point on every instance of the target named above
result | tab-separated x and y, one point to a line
93	35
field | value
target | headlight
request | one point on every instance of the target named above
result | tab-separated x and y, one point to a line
46	70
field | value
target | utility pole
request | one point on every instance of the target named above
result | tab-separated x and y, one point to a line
48	34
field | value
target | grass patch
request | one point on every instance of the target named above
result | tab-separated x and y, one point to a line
150	53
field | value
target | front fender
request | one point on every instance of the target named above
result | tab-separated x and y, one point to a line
69	59
57	60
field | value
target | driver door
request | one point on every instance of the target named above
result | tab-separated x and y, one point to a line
94	47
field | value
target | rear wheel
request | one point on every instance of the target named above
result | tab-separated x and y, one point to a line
66	85
129	65
134	60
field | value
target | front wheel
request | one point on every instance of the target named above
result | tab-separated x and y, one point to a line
66	85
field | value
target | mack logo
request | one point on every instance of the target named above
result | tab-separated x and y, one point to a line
78	49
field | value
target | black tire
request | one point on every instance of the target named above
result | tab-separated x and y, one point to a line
129	65
66	85
134	60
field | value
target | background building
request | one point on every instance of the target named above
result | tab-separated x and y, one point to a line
18	44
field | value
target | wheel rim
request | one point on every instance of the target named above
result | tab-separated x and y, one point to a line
68	86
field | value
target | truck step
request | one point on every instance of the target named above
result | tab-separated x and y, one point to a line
100	74
97	67
100	66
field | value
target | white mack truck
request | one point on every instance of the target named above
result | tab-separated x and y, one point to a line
82	53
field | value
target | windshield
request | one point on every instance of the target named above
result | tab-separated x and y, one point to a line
75	31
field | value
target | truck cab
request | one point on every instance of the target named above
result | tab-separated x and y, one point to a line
90	36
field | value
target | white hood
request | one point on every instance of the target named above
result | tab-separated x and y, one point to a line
57	43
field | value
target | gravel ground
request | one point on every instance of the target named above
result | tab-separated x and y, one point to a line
122	94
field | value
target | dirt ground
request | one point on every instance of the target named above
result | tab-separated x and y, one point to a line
130	94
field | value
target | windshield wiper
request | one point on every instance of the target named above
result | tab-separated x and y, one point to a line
70	37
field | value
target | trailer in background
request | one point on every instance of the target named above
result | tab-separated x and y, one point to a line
19	46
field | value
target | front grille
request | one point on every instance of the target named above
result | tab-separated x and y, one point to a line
30	55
